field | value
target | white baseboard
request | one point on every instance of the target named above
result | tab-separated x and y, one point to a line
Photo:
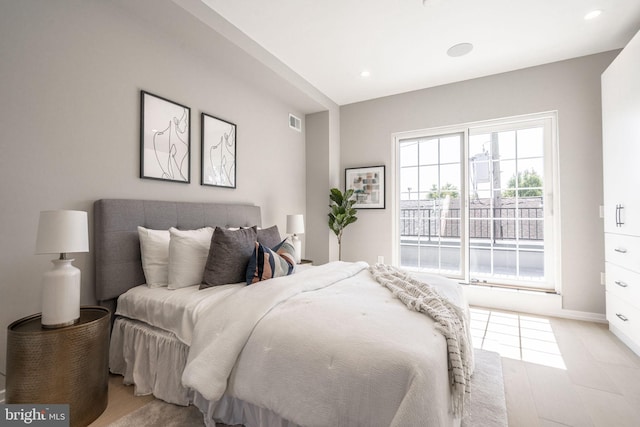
625	339
532	302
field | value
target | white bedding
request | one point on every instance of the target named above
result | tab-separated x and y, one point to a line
176	311
327	346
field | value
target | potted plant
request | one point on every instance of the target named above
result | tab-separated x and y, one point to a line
342	213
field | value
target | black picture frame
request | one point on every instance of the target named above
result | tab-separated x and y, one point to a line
165	139
219	153
368	184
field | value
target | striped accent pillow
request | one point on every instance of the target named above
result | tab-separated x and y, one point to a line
268	263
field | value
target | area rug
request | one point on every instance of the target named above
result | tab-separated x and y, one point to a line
485	404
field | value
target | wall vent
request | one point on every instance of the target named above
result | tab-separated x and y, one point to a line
295	123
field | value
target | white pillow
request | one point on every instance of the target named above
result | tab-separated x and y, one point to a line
154	247
188	251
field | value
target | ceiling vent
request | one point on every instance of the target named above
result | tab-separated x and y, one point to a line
295	123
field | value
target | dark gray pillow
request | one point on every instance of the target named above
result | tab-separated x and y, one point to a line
269	237
229	255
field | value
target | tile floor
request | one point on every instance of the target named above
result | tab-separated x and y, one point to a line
560	372
516	336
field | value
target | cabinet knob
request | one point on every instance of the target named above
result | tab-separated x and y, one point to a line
622	317
621	250
620	283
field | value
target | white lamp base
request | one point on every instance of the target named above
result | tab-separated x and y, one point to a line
61	295
297	245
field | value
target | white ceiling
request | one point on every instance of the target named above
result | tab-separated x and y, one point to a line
403	43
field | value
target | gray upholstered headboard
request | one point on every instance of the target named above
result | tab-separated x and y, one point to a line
118	264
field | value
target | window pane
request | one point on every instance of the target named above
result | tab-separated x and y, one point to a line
506	148
429	256
409	183
408	254
504	228
479	144
450	180
505	174
531	171
450	258
429	152
409	154
480	261
532	263
450	149
531	142
531	229
429	181
505	262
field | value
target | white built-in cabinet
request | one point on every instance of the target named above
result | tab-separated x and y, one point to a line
621	156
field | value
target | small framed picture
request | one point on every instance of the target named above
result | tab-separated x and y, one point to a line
165	139
368	186
218	152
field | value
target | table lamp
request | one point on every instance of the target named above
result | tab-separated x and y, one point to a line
61	232
295	226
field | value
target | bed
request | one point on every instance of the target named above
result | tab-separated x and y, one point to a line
327	346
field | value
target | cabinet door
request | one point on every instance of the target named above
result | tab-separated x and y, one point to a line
621	141
622	213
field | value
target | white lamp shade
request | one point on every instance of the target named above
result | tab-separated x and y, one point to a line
62	232
295	224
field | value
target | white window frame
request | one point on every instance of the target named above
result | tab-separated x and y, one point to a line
552	249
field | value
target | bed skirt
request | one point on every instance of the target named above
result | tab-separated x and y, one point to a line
152	360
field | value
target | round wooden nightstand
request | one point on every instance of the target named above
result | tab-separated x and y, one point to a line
65	365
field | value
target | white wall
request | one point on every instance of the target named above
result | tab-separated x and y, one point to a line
71	72
571	87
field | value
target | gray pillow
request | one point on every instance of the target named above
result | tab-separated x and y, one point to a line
229	255
269	237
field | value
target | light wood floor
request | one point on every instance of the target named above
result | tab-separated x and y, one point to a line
557	372
121	402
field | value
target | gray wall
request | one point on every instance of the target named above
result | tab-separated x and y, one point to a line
571	87
323	165
70	78
317	133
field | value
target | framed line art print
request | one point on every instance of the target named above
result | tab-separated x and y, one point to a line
218	139
165	139
368	186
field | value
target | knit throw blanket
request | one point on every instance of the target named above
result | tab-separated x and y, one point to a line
450	320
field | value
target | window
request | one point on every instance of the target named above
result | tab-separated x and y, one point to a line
430	191
475	202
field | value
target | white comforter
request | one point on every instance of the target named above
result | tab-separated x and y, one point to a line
175	310
325	347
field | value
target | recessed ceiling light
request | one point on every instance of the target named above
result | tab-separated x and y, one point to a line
593	14
460	49
365	74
